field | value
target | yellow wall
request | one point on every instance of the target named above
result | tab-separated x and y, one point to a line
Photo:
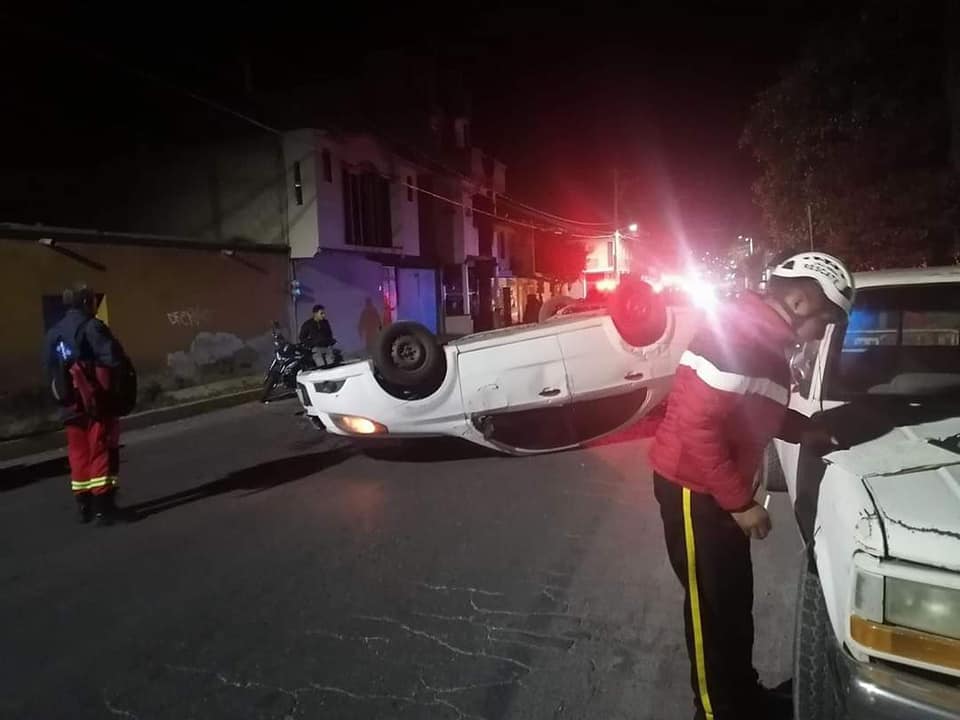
158	299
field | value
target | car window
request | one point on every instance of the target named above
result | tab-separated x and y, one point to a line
902	341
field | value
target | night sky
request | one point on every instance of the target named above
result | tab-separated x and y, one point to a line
562	96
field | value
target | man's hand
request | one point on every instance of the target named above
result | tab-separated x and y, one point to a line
754	521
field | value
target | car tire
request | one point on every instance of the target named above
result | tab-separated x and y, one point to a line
773	478
815	690
638	312
408	356
554	305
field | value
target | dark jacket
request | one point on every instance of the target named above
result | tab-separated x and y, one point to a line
729	400
94	344
316	333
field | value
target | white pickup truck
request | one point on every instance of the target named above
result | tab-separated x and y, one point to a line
878	618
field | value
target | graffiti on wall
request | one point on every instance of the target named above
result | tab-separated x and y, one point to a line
190	317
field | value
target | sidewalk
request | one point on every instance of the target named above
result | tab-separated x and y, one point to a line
170	406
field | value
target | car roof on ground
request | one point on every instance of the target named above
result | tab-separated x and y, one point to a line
908	276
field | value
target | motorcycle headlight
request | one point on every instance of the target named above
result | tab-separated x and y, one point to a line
923	607
328	386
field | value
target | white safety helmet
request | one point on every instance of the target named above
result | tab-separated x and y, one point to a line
831	274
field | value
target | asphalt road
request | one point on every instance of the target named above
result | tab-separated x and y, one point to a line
270	573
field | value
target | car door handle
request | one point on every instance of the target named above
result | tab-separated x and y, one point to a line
550	392
633	376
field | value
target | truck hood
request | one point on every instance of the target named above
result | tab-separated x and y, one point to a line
915	486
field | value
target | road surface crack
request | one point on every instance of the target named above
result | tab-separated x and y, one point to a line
118	711
443	643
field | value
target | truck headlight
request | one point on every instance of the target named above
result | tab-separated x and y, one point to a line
868	595
923	607
907	620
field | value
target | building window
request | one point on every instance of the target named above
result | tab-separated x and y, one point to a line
297	183
501	245
366	210
327	162
409	188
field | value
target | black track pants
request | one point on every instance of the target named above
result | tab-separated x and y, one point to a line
711	556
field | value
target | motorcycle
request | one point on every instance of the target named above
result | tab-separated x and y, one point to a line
288	360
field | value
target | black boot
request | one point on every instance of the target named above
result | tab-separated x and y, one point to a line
106	508
84	507
779	701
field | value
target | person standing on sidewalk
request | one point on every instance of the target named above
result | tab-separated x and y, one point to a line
728	401
82	360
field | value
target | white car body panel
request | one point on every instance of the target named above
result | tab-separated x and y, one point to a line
891	504
551	364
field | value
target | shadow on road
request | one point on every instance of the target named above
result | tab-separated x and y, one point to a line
425	450
17	476
255	479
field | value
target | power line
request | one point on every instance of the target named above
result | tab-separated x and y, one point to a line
220	107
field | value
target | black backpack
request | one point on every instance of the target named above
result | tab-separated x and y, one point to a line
123	388
62	386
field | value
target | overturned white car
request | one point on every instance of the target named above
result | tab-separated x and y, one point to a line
878	622
527	389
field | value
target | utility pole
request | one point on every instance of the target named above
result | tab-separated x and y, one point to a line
616	198
810	224
616	222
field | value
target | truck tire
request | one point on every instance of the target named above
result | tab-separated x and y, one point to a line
408	356
639	313
815	690
773	477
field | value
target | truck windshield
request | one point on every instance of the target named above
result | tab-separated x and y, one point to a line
901	341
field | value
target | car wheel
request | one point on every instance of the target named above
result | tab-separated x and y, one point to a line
638	313
408	355
815	690
773	477
554	305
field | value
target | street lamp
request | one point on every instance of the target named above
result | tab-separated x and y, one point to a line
633	227
747	240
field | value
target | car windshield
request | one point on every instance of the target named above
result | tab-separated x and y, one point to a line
901	341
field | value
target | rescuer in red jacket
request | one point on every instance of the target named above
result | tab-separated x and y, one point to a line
728	401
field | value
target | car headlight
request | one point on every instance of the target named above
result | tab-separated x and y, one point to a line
328	386
923	607
358	425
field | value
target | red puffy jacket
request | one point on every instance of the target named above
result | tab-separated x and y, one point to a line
728	401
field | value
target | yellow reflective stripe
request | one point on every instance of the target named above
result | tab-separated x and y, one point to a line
97	482
695	605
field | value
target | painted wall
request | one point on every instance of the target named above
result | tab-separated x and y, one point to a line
303	221
319	223
417	296
191	314
349	287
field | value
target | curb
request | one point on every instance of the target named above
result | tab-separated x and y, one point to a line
12	449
